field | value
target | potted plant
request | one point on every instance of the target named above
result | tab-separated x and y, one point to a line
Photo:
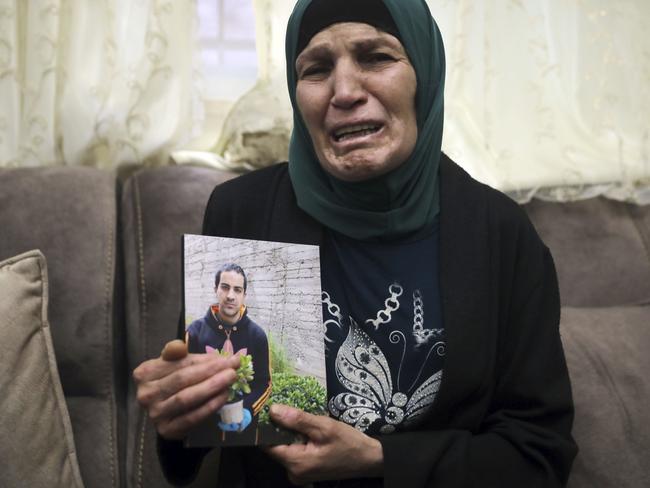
233	411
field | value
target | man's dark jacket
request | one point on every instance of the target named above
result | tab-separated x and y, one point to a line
245	334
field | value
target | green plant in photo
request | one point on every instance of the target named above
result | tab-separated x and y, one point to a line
245	374
303	392
280	362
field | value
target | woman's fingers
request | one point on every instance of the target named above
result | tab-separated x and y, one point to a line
181	392
159	381
334	450
159	369
193	395
313	426
190	375
177	427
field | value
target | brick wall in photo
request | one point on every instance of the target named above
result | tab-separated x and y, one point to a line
283	294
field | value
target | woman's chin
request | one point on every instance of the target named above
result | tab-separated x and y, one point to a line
359	166
360	173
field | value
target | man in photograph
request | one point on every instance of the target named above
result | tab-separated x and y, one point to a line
227	328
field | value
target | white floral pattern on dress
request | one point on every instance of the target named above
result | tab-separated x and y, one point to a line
362	368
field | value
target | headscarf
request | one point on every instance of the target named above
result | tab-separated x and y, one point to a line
406	199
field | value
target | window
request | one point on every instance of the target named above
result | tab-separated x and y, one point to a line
227	37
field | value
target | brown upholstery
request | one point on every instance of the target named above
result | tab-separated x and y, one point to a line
158	206
601	250
113	254
70	215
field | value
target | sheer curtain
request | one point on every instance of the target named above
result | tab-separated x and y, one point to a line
543	97
100	82
550	97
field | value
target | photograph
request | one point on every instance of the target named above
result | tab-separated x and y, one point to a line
261	301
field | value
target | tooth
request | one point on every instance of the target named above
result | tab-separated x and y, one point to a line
354	128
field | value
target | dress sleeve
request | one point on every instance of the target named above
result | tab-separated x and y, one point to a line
179	464
524	438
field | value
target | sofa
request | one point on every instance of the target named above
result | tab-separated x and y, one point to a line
110	251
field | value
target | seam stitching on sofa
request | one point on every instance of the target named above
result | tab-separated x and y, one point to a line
143	317
141	450
107	311
71	450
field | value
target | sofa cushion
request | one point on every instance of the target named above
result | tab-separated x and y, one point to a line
158	206
37	449
601	250
69	213
608	360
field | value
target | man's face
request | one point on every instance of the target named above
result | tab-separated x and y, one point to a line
230	296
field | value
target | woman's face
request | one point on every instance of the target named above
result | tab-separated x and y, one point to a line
356	93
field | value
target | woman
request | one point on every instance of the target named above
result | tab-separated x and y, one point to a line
445	366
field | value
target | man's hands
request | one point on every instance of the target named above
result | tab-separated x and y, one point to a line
179	390
334	450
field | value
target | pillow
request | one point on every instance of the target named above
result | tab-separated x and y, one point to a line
37	447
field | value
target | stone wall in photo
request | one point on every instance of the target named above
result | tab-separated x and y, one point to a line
283	294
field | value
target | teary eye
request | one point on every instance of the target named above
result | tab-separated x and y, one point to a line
378	57
314	70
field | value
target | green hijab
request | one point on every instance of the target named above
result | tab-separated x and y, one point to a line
406	199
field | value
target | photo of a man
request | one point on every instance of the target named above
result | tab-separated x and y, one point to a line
227	328
259	301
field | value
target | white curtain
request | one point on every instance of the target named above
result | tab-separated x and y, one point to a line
96	82
550	97
546	98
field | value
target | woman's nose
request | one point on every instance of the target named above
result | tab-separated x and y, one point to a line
348	87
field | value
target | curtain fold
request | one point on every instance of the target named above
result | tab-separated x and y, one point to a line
98	83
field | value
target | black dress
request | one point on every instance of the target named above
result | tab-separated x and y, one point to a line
503	413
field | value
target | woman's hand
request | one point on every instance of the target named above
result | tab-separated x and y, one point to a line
179	390
334	450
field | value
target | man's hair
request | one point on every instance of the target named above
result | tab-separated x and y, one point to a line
230	267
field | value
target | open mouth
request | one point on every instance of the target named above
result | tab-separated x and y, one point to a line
353	131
